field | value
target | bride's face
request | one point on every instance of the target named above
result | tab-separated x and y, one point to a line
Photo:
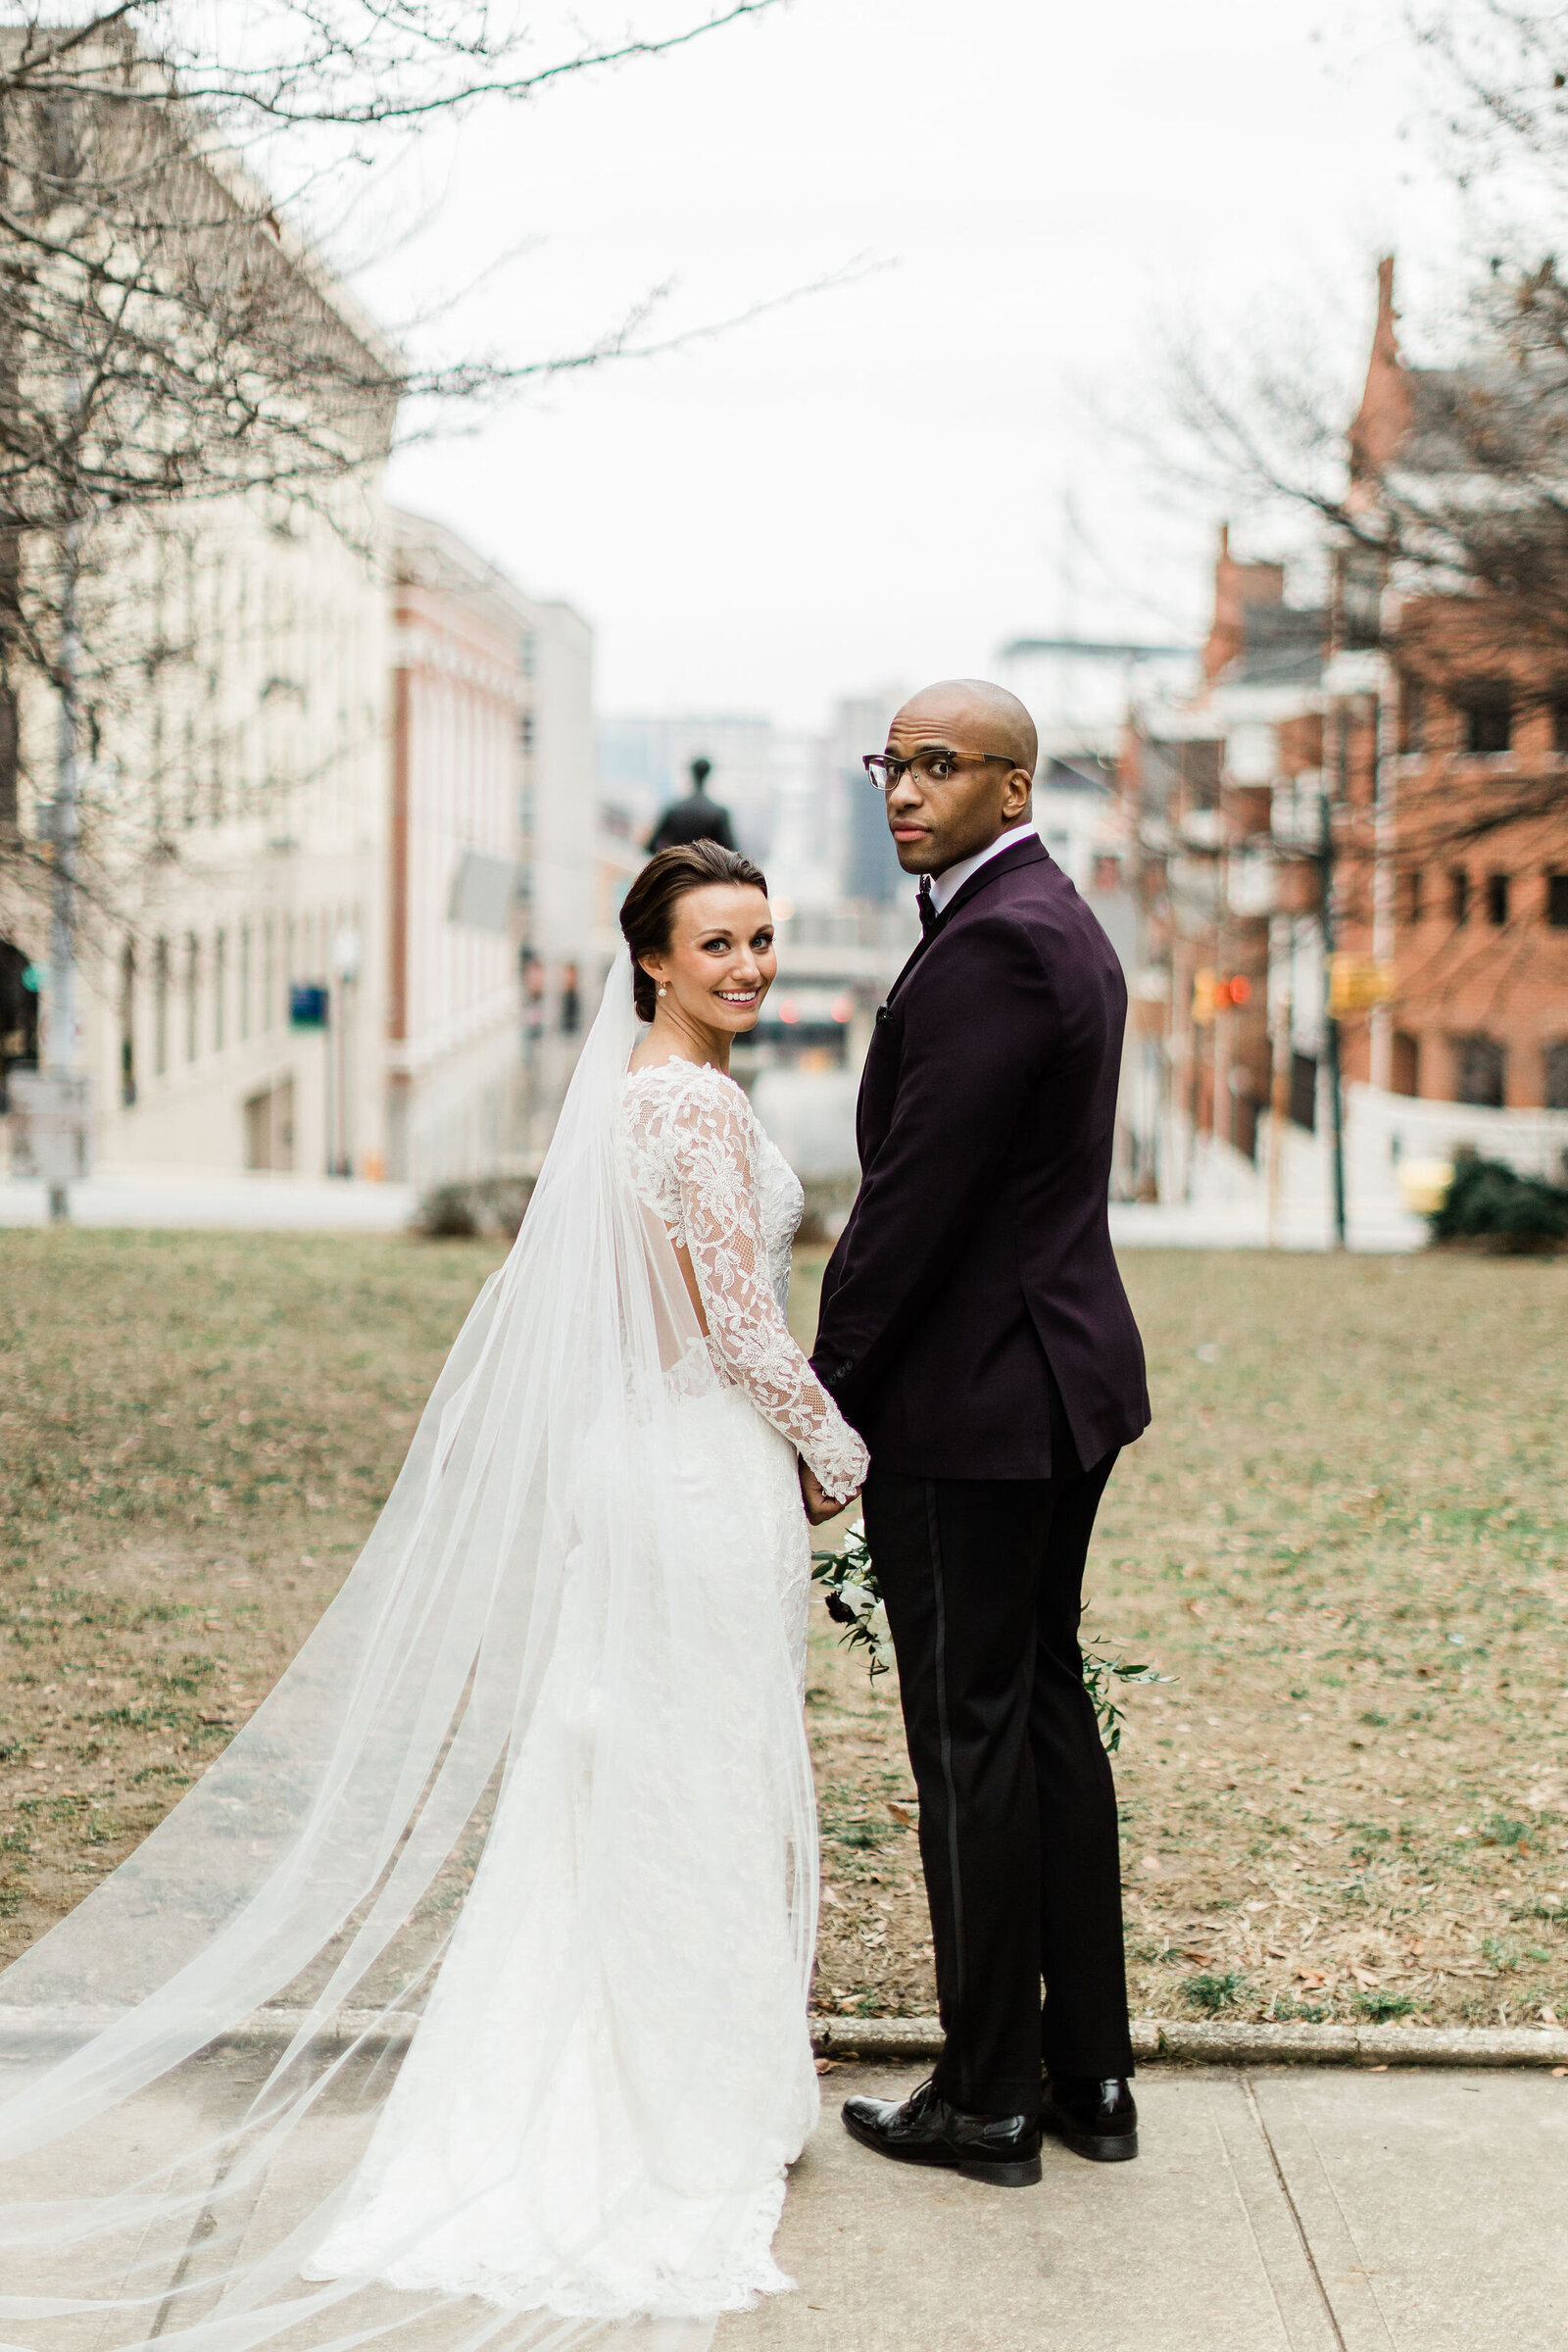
721	961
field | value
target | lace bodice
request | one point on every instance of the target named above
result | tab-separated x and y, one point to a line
726	1195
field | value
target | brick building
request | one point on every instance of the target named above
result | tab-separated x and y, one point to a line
1453	746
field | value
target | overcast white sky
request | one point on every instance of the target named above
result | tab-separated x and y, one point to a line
868	485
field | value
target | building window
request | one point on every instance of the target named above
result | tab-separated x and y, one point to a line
220	990
244	1007
1414	895
269	973
1557	902
193	975
1304	1092
571	1000
1496	900
1555	1093
525	731
1486	713
1479	1069
1460	894
161	1008
1406	1063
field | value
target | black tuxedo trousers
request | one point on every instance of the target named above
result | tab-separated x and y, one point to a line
983	1580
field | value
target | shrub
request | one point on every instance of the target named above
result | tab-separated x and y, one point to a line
489	1206
1491	1203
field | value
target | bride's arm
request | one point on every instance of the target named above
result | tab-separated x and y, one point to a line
729	1259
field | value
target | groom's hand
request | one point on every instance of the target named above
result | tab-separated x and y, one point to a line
817	1507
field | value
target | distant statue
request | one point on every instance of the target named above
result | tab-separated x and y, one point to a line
695	818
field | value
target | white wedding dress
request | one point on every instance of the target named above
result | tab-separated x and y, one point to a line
582	2178
536	1789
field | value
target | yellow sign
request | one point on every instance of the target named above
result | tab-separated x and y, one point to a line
1357	983
1205	984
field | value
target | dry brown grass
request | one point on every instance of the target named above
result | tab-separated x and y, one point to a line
1346	1538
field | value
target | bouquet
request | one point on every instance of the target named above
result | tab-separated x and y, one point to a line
855	1601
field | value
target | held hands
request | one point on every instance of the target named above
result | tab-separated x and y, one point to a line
819	1507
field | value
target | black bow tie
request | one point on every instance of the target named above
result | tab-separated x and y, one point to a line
926	901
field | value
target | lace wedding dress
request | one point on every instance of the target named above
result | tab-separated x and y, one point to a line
672	2189
567	1667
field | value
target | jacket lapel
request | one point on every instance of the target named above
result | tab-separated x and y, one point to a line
1030	851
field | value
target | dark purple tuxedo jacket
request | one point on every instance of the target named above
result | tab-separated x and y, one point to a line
978	1250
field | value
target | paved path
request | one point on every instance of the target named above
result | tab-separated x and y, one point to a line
149	1199
1307	2210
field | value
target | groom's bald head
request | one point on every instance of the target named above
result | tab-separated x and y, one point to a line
991	719
934	824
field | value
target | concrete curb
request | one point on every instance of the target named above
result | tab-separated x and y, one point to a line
1156	2039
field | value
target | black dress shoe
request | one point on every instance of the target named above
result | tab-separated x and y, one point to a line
1003	2149
1094	2117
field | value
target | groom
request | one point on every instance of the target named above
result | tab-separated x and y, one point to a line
975	1331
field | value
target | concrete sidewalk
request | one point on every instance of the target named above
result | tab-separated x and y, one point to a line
174	1201
1307	2210
1287	2209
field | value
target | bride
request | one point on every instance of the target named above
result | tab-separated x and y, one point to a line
533	1804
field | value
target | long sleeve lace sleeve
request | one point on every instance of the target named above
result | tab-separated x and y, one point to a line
708	1150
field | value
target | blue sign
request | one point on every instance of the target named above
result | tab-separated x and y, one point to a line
307	1008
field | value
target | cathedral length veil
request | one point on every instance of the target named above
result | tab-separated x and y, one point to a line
319	1863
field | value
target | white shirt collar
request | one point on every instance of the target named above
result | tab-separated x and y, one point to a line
946	885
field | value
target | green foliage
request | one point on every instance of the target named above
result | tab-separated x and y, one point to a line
1212	1992
1490	1202
1382	2006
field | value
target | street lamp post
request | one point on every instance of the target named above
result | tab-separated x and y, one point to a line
62	825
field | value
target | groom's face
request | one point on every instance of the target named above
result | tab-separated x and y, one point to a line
934	819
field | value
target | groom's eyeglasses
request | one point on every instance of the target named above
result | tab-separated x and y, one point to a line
934	765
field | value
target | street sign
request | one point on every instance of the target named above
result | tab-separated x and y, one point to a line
307	1007
51	1125
1358	983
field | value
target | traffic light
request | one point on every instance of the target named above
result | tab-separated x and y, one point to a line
1217	992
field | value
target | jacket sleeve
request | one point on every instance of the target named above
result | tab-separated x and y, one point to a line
979	1031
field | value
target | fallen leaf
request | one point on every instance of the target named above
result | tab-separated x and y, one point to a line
1311	1977
825	2066
902	1814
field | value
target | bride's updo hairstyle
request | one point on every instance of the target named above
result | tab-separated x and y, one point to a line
649	903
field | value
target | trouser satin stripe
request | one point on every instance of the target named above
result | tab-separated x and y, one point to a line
945	1745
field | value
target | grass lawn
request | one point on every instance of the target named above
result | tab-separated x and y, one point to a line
1346	1539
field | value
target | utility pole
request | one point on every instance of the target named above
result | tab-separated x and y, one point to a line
1385	772
1331	1024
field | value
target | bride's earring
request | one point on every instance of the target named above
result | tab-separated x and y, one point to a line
664	988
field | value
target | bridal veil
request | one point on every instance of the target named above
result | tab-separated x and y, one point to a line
544	1619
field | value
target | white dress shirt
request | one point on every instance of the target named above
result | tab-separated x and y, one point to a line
952	879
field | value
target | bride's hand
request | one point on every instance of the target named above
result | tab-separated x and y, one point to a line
818	1508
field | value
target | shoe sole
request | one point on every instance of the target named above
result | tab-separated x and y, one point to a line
1024	2172
1099	2148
